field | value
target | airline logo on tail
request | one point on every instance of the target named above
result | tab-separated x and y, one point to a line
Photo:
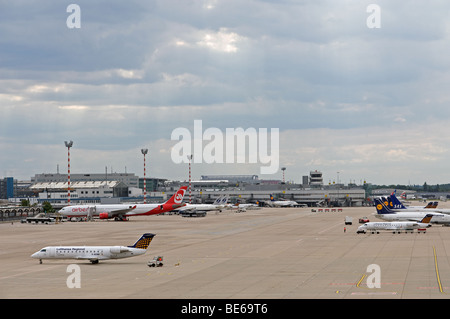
427	219
224	200
382	208
217	201
144	241
178	197
432	205
395	203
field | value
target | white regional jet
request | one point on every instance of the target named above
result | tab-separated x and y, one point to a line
396	226
123	211
95	253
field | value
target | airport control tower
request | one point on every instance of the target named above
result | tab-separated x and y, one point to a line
315	179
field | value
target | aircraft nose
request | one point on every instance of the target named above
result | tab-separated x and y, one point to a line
35	255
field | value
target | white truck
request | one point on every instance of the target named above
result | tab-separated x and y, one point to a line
348	220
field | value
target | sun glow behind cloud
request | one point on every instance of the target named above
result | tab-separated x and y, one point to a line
222	40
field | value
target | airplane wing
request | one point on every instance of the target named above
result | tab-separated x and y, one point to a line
116	212
122	211
192	209
88	257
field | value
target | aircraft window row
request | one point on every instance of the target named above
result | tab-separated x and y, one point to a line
87	251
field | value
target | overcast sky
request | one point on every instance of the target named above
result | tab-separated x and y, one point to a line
369	103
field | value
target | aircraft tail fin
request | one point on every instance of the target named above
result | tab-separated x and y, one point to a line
218	200
429	205
224	200
144	241
381	207
432	205
177	198
272	199
394	202
426	219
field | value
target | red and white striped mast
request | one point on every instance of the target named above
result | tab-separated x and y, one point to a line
144	151
68	145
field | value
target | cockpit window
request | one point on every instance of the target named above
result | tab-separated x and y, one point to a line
43	250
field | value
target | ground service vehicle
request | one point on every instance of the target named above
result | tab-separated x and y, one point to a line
39	218
363	220
156	262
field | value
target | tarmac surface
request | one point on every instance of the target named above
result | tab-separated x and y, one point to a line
271	253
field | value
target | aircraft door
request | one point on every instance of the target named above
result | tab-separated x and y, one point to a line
51	251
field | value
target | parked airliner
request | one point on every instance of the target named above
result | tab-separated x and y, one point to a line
282	203
397	226
244	206
123	211
218	205
95	253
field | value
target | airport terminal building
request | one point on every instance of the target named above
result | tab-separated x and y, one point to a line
126	187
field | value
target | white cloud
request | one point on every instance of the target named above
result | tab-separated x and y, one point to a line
222	40
74	107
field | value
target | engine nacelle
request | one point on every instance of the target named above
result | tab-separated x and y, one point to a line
104	215
118	249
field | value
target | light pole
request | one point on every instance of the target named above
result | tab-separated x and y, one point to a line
144	151
68	145
338	188
283	169
190	159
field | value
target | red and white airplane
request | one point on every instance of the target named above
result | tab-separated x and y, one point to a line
123	211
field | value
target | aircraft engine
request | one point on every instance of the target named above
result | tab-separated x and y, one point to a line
118	249
103	215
